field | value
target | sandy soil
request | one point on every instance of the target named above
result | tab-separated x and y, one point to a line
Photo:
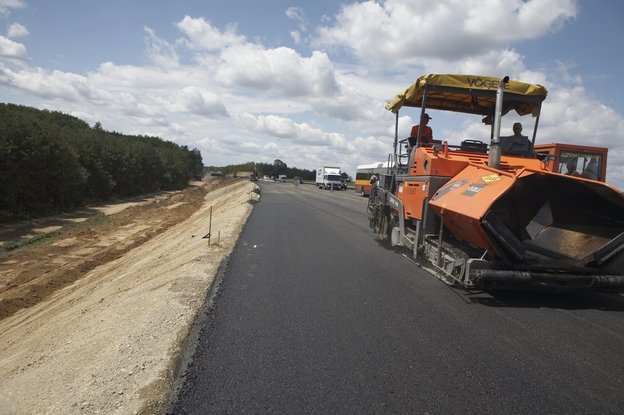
93	320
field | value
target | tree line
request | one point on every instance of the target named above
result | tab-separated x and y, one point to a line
52	162
265	169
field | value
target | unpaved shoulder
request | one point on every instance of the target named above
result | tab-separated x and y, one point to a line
106	342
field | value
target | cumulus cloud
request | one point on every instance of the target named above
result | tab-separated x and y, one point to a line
51	84
304	145
146	78
6	6
193	99
12	50
147	95
297	15
296	36
301	133
410	30
281	70
159	51
571	116
17	30
203	36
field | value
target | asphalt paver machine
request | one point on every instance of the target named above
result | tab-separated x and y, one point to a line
478	215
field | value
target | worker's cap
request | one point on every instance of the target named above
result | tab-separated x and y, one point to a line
425	115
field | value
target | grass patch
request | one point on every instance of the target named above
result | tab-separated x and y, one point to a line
98	219
21	243
43	238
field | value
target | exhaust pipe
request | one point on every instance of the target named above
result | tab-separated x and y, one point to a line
495	150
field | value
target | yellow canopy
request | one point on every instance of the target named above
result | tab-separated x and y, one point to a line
472	94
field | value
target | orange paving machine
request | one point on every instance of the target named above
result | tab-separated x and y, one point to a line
505	215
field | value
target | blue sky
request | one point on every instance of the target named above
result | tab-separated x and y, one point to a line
305	82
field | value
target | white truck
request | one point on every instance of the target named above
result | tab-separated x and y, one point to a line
329	178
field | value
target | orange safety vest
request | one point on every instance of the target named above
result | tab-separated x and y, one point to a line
427	134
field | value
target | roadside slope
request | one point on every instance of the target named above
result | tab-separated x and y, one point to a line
107	342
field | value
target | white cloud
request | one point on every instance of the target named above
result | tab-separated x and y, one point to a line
142	78
408	31
17	30
160	52
281	71
194	100
301	144
296	14
45	84
203	36
300	133
7	5
571	116
296	36
12	50
241	64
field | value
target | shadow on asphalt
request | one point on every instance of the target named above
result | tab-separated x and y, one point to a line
528	299
565	301
385	244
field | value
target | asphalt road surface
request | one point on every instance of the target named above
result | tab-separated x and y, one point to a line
313	315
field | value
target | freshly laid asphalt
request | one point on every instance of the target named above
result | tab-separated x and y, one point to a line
314	316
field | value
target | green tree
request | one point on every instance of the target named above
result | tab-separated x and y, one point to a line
50	161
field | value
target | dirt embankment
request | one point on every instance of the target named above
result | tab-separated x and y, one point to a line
91	321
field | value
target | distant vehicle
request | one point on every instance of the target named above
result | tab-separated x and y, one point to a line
364	173
328	178
282	178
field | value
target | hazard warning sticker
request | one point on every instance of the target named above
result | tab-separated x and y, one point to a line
491	178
